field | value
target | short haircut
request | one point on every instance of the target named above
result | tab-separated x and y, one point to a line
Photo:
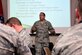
13	20
80	6
42	13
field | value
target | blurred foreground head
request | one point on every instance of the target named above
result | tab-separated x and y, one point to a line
14	23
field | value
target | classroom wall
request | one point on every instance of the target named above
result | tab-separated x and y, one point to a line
72	10
5	9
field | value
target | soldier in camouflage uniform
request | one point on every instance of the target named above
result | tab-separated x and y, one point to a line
10	42
23	32
42	28
70	42
25	35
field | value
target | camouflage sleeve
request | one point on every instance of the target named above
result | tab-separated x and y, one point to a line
23	48
71	49
53	52
65	47
50	28
33	29
29	41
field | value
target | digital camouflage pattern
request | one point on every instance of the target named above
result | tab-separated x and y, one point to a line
10	42
24	36
42	35
69	42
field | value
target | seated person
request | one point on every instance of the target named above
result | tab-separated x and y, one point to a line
70	42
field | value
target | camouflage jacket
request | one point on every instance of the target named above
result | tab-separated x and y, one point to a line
24	36
69	42
10	42
42	31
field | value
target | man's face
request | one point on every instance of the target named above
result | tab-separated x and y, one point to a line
42	17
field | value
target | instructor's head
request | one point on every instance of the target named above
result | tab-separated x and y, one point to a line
79	11
42	16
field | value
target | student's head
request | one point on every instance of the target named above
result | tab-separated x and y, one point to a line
79	11
15	23
42	16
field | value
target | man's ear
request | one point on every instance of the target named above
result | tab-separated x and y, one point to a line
77	13
13	25
78	17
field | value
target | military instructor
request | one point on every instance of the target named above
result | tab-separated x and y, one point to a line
42	28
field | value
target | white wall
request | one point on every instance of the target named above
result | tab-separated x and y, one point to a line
73	6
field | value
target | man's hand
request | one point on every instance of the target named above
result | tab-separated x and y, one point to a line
52	32
33	30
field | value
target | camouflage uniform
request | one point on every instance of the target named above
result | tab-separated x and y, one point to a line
69	42
11	43
24	35
42	35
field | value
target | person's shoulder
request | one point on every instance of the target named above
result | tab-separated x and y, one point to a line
7	29
47	21
73	34
36	22
75	27
2	26
25	30
71	31
8	33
